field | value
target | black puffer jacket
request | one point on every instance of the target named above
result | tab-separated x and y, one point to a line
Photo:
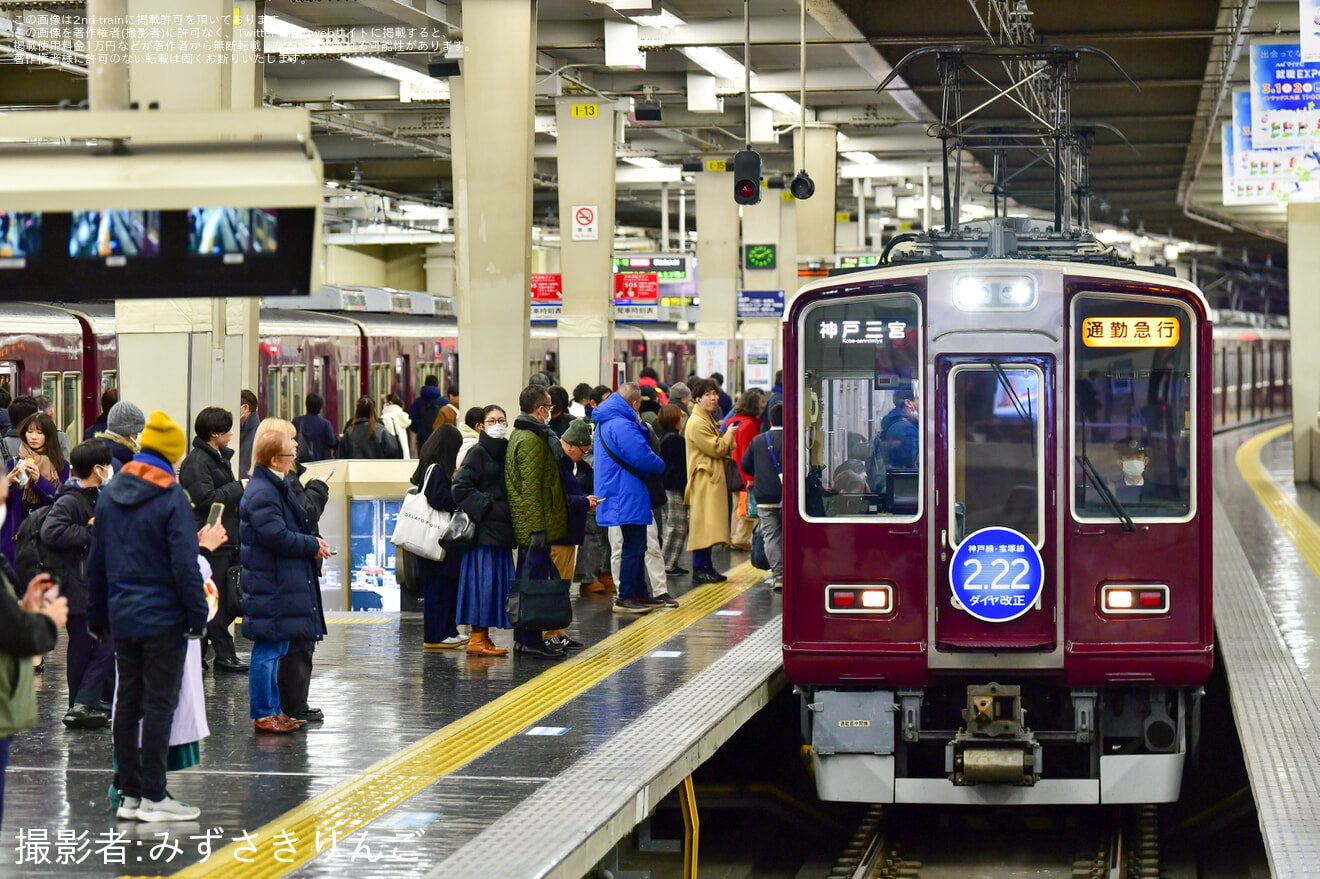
67	533
479	491
208	479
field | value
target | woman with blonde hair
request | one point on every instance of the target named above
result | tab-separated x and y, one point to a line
707	493
295	673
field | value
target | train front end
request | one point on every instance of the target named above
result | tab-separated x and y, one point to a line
997	524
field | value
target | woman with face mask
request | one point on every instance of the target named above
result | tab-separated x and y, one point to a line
487	569
34	475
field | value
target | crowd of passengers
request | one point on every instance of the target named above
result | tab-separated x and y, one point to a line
146	548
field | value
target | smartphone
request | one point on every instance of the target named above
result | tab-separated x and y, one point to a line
52	592
217	510
328	475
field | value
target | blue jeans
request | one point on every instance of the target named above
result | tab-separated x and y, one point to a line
632	568
263	668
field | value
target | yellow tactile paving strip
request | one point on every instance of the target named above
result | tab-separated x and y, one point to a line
354	803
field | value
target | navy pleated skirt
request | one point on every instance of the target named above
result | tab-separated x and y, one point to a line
483	586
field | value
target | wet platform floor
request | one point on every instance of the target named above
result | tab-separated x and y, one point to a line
386	788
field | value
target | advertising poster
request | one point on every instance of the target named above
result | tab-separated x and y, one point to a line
547	296
712	357
1265	176
758	363
1283	97
636	296
1228	165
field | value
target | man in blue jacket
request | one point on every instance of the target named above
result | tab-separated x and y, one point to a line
623	459
144	590
425	409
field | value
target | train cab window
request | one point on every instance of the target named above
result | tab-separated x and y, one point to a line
1132	408
996	457
862	404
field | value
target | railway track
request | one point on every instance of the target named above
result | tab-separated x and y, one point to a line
1071	843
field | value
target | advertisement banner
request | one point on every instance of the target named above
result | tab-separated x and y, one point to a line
712	357
1283	96
636	296
1264	176
758	363
760	303
547	296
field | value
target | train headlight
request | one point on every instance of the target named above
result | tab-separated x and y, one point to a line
874	599
974	293
1134	598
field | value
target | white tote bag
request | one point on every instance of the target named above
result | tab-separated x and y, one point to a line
420	525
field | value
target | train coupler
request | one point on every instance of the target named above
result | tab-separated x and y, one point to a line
995	746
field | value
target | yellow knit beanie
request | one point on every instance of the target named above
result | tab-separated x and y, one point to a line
164	436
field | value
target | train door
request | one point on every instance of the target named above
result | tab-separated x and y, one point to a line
298	396
992	466
11	376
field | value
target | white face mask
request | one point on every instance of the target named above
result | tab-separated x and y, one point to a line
497	431
3	511
1133	468
106	472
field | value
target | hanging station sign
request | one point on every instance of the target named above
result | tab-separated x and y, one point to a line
547	296
636	296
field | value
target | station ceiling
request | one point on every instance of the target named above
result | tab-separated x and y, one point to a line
1179	52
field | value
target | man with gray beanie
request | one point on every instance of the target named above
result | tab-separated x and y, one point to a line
681	396
123	426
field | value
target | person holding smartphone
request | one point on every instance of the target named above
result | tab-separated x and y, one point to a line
207	475
66	534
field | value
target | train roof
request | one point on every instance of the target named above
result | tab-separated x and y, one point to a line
282	321
909	269
33	317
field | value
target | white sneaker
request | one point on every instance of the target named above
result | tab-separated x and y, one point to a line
456	641
168	809
128	808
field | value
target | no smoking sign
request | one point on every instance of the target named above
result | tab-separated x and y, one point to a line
586	222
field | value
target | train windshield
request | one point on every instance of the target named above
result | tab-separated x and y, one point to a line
862	407
1132	408
996	457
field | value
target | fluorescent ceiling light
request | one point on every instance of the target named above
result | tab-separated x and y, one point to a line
280	28
643	161
665	19
717	61
780	103
861	158
390	69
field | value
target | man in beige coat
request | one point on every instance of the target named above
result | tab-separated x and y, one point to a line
707	494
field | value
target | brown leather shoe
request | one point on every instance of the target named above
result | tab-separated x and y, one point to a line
481	645
595	588
287	719
608	582
273	725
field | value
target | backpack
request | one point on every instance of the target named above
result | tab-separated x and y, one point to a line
31	557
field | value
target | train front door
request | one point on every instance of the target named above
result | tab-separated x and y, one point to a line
993	465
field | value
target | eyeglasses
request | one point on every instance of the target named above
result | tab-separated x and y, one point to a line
290	455
493	423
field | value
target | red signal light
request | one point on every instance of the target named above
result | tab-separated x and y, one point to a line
273	349
746	189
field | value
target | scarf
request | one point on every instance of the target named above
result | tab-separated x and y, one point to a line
45	467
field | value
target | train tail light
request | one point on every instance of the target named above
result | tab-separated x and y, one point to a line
1134	598
874	599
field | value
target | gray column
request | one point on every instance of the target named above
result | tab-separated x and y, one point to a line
586	180
492	116
761	225
1304	324
815	217
717	260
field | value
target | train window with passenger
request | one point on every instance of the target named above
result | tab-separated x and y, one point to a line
861	405
1132	408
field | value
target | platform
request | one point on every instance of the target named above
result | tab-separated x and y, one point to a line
422	756
1267	613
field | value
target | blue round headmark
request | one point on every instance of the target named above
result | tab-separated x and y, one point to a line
996	574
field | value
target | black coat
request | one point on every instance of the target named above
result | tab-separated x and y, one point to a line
280	598
440	495
673	451
67	533
758	463
357	442
312	497
479	490
208	479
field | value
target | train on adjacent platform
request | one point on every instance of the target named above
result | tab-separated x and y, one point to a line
69	353
997	524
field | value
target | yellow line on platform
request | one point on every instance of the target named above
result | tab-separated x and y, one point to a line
354	803
1301	529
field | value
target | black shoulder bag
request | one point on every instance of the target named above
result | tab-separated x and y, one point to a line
655	485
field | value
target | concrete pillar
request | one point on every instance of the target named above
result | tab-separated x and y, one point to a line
788	248
492	137
182	355
815	216
1304	323
717	261
586	179
761	224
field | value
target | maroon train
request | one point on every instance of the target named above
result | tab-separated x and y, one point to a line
1070	403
